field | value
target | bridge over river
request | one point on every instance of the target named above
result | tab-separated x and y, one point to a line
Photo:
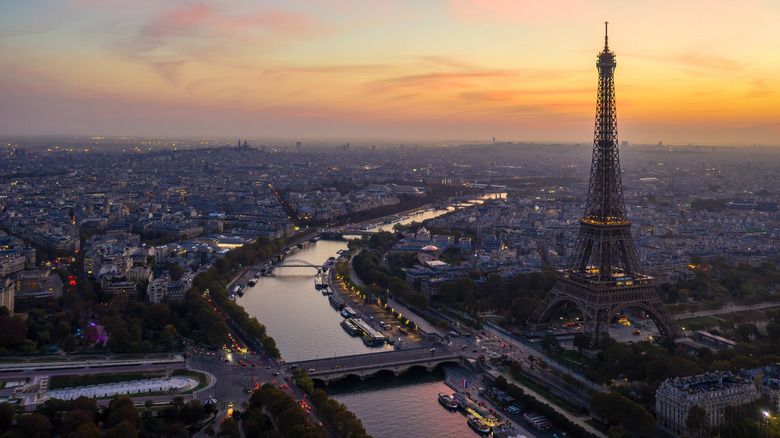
365	365
290	263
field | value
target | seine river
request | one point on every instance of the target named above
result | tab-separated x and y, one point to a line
305	326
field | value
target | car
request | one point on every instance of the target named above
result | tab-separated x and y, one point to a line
311	370
276	373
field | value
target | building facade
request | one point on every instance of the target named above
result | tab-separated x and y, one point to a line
714	392
7	290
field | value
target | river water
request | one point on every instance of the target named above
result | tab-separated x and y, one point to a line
305	326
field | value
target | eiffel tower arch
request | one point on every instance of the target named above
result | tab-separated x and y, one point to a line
604	275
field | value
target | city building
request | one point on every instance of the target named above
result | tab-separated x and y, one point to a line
7	291
770	385
714	392
38	284
11	262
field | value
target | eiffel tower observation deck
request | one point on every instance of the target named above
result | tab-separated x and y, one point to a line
603	276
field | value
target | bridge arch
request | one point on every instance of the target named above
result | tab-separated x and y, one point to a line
293	263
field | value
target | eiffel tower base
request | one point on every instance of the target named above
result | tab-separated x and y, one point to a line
599	303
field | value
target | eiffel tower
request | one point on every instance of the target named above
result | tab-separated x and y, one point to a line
603	276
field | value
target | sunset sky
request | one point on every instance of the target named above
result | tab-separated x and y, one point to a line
688	72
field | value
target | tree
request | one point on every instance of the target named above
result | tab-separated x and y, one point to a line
86	430
86	404
7	412
122	409
631	415
617	432
176	430
157	315
229	427
69	343
75	419
176	271
14	330
500	383
124	429
550	344
581	341
223	266
696	421
35	425
192	411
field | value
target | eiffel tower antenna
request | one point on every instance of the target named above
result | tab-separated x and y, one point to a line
604	276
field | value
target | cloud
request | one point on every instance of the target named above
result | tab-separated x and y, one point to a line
168	41
521	11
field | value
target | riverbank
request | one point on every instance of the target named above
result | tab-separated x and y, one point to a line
455	376
373	313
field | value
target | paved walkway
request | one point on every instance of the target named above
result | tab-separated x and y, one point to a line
421	322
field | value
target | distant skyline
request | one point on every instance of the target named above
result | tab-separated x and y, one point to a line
691	72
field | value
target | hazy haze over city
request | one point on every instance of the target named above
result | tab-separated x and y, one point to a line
467	70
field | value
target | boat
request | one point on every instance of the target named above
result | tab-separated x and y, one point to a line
335	303
373	340
347	312
448	401
320	282
350	327
478	424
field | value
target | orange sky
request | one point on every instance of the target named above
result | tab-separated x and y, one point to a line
699	72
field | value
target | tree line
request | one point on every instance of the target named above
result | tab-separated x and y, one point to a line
83	418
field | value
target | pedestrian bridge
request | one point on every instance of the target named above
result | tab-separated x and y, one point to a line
366	365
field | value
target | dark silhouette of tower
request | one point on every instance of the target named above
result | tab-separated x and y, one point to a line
603	276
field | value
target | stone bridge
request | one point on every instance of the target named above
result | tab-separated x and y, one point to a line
366	365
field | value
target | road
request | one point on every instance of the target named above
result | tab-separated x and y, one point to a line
376	359
729	308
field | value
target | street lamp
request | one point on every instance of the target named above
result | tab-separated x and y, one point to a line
766	424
